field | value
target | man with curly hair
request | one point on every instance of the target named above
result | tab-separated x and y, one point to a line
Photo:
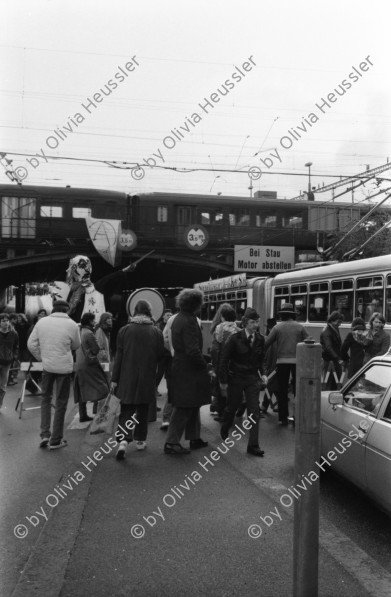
190	382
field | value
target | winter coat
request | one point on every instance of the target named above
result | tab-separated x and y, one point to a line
52	341
331	344
239	358
139	349
9	347
104	345
353	353
90	381
189	374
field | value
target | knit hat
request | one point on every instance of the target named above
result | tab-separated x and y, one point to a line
358	323
251	313
60	304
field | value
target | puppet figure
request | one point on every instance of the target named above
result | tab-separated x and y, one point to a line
83	296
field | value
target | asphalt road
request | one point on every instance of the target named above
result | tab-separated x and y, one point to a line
198	545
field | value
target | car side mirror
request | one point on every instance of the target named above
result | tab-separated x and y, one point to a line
335	398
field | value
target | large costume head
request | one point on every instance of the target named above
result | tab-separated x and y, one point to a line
79	270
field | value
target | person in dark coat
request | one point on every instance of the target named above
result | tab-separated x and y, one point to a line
222	332
90	383
330	340
241	371
352	350
190	382
139	350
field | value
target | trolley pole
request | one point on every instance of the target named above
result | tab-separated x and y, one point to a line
307	452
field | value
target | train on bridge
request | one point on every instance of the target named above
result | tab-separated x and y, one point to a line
187	238
35	218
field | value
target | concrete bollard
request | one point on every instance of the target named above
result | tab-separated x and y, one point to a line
307	452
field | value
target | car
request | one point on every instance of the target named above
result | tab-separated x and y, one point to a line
356	430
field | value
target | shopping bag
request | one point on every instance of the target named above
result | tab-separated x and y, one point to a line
104	419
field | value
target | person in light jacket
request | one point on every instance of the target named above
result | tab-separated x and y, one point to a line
52	341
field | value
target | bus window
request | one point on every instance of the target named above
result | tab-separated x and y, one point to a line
369	297
318	303
281	296
388	301
299	300
341	298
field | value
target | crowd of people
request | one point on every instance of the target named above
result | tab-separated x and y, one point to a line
242	363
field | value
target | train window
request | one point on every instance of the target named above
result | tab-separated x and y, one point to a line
265	220
239	217
162	213
17	217
50	211
218	217
211	217
270	221
292	222
81	212
318	301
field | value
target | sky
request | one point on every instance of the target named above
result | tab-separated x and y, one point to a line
56	54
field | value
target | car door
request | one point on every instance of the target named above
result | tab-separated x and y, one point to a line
378	456
353	420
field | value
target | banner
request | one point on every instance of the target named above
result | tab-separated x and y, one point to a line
105	234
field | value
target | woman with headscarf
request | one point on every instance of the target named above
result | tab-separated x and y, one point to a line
90	383
352	350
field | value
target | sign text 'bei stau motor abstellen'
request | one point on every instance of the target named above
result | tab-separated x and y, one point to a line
262	258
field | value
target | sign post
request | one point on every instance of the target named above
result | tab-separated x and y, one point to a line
307	452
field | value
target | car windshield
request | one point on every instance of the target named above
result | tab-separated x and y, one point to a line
368	390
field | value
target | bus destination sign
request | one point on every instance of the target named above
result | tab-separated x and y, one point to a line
254	258
236	281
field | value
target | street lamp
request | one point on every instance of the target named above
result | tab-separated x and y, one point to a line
308	165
